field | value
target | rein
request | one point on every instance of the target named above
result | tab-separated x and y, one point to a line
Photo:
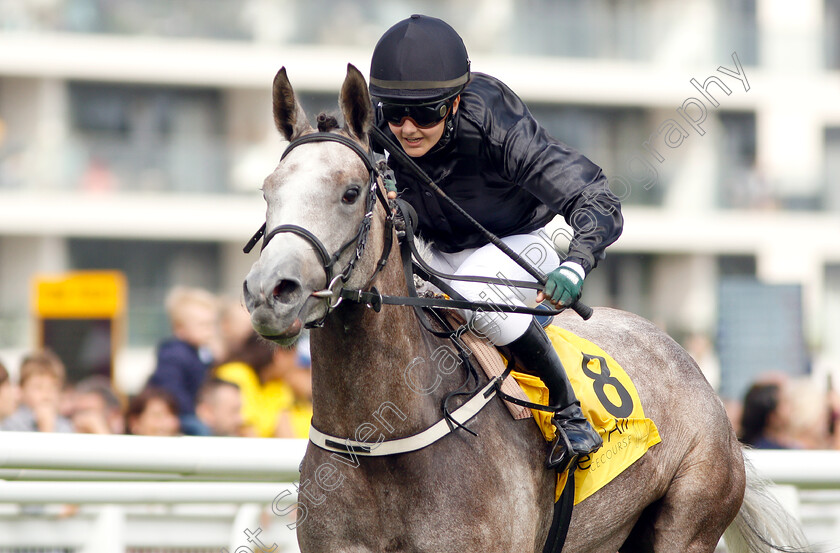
375	299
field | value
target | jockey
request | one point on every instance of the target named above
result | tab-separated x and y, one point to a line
477	140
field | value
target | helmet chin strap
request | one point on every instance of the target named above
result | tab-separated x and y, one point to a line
449	126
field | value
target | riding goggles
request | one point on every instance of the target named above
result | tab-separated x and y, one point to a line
423	115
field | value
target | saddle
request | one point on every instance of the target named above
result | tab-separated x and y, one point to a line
493	365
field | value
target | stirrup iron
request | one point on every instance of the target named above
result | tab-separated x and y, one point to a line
560	456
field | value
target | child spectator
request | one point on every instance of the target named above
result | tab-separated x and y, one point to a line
96	408
41	380
8	394
264	374
219	407
152	413
184	360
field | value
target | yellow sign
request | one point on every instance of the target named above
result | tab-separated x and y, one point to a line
80	295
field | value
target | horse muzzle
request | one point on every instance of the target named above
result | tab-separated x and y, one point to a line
276	303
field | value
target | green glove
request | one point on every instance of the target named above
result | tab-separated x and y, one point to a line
388	177
565	283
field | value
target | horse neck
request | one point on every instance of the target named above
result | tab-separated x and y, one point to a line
371	368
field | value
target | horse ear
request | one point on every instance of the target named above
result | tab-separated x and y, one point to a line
355	103
289	117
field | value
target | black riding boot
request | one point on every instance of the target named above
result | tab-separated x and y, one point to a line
575	436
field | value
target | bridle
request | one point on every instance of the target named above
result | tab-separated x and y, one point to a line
359	240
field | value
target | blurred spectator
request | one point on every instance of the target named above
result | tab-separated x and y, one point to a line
67	400
219	407
183	361
287	367
8	394
734	409
701	348
96	408
303	350
834	414
765	416
152	413
270	406
808	427
234	326
98	177
41	380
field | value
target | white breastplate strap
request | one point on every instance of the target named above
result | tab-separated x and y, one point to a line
411	443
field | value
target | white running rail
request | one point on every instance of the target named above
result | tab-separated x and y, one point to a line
208	494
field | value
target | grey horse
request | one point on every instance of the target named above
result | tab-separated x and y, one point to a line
487	492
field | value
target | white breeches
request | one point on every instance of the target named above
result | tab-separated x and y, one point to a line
500	328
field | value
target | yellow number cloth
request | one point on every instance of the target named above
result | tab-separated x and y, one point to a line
608	399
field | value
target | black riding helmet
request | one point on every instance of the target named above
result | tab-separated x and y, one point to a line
419	60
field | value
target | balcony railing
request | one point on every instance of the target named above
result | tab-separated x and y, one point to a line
631	29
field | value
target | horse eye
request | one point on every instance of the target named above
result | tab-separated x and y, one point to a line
351	195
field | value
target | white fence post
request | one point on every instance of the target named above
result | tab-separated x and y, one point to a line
108	532
247	517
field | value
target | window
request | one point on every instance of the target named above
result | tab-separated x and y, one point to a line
760	330
740	185
737	31
584	28
831	192
612	138
147	138
831	34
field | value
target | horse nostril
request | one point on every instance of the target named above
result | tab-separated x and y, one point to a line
285	290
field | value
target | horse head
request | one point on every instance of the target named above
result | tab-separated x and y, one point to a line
319	202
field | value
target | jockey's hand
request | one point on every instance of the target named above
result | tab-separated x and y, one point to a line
388	179
564	285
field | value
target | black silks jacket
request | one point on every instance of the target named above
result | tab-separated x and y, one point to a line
507	172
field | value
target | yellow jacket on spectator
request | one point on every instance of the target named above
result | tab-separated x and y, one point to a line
270	409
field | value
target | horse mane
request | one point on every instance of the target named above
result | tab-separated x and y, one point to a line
327	122
424	248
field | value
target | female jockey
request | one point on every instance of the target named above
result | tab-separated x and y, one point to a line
477	140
